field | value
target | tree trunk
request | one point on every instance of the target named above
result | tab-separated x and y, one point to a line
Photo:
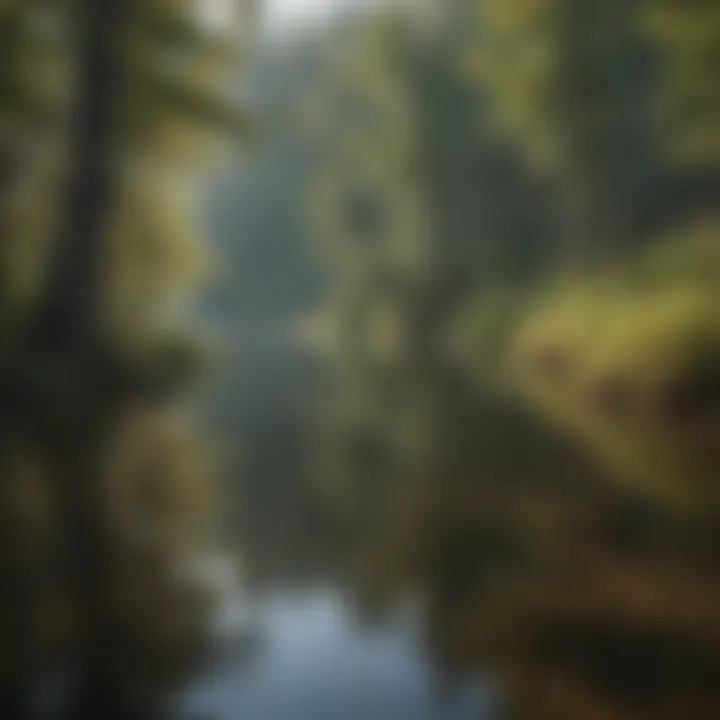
72	309
71	339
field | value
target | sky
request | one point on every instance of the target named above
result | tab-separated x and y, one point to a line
283	14
288	11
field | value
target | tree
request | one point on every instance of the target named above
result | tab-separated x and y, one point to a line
567	84
582	458
90	353
686	38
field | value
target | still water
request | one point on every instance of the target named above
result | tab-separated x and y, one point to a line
316	661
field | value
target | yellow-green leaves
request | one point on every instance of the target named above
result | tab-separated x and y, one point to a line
634	371
35	72
687	37
519	61
158	490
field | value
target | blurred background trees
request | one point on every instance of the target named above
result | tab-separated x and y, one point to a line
512	213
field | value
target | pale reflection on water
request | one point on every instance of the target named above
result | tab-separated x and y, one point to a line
315	661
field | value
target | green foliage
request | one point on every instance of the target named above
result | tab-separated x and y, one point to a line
541	428
521	61
630	363
148	501
690	256
567	84
480	337
686	36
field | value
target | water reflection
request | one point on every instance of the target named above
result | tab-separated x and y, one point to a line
318	661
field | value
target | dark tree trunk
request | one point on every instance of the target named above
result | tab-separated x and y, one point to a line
72	340
72	309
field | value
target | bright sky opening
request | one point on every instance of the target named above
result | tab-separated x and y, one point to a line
286	14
